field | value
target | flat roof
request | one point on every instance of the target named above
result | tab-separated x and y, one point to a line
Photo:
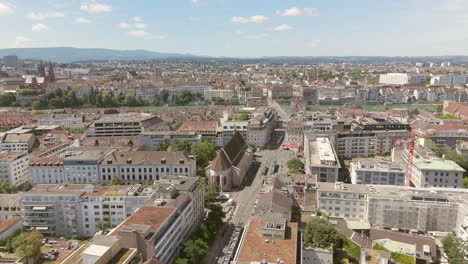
153	217
255	247
321	153
96	250
437	165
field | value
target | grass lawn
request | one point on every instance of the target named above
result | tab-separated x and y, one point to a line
448	117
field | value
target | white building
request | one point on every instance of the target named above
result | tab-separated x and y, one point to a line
449	79
211	95
17	142
376	172
436	173
321	158
14	167
398	78
82	164
46	170
348	201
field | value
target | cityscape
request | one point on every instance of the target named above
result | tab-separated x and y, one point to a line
233	132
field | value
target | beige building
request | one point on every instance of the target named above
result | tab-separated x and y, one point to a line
321	158
14	167
211	95
348	201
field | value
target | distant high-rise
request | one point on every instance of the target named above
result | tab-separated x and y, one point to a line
399	78
11	61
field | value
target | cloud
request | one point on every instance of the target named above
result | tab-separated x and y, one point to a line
22	42
126	25
6	10
252	19
82	20
42	16
195	1
283	27
137	19
39	27
95	7
259	36
294	11
143	34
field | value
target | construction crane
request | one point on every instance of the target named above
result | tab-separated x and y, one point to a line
411	143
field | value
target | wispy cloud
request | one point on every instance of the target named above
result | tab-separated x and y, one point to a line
252	19
22	42
294	11
82	20
39	27
283	27
137	23
144	34
95	7
43	16
6	10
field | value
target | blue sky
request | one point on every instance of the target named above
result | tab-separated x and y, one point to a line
242	28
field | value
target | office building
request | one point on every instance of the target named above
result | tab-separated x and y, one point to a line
449	80
46	170
436	173
348	201
150	139
213	95
128	124
376	172
14	167
321	158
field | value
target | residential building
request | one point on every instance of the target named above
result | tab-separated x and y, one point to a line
230	165
356	144
376	172
348	201
294	133
150	139
399	78
81	165
213	95
207	129
17	142
14	167
436	173
61	119
449	79
143	166
46	170
321	158
274	202
128	124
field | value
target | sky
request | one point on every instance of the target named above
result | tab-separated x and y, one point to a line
242	28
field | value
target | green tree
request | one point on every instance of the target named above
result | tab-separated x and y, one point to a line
6	187
164	95
107	99
181	261
184	98
456	249
161	147
130	100
179	145
102	225
116	180
320	233
295	165
211	192
28	245
465	182
242	116
439	108
6	99
195	250
204	152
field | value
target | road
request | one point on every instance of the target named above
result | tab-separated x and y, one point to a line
245	198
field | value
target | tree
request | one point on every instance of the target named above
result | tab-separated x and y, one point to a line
6	99
181	261
242	116
130	100
28	245
203	152
161	147
195	250
465	182
179	145
439	108
320	233
6	187
102	225
116	180
456	249
183	98
211	192
295	165
106	99
164	95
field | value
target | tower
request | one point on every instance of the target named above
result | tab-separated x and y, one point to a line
51	73
41	70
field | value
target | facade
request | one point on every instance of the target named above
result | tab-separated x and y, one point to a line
10	206
321	158
143	166
348	201
46	170
449	79
398	78
82	164
11	61
14	167
17	142
212	95
356	144
130	124
372	172
294	133
436	173
230	165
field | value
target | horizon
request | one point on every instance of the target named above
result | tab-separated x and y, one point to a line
217	28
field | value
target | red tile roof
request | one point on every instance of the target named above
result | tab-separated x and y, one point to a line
199	126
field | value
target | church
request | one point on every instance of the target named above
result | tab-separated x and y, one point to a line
230	165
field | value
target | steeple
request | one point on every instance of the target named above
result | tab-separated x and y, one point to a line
51	73
41	70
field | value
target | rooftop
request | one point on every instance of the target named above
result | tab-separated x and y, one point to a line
256	248
124	117
4	155
437	165
151	217
53	189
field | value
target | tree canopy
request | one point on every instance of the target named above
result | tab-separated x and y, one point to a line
295	165
102	225
320	233
204	152
179	145
28	245
456	249
7	99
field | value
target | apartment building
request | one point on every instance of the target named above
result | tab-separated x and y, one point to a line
46	170
127	124
112	204
142	166
17	142
212	95
82	164
355	144
376	172
14	167
436	173
449	79
150	139
348	201
294	133
206	129
399	78
321	158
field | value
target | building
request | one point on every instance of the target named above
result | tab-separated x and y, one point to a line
17	142
143	166
321	159
128	124
230	165
449	79
348	201
81	165
46	170
436	173
112	204
376	172
14	167
10	206
213	95
399	78
294	133
268	241
316	256
207	129
356	144
150	139
11	61
274	202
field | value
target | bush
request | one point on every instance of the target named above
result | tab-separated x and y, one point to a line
353	249
402	258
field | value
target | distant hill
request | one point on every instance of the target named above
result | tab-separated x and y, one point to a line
67	54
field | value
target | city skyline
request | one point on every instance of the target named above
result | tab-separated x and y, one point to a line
242	28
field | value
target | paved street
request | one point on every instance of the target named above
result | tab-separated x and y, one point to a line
245	198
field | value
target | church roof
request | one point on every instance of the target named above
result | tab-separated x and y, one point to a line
220	162
234	146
